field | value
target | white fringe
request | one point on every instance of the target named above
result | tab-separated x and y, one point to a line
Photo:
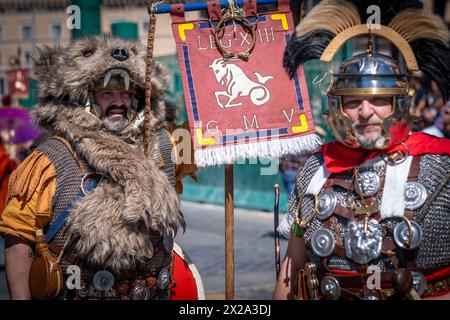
263	149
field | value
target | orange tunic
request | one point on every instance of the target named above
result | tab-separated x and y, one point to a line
31	189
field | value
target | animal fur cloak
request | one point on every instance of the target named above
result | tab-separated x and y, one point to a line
112	223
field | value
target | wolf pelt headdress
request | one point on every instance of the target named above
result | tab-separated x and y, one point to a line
112	222
421	38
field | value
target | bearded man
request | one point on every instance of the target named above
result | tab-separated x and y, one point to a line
369	216
106	210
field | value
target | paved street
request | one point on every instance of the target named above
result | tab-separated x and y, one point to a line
204	242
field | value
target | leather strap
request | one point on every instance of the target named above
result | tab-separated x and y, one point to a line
250	8
283	5
414	169
338	182
177	13
69	257
345	212
213	9
61	219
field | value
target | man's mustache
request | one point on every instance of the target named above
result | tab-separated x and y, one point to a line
111	108
360	124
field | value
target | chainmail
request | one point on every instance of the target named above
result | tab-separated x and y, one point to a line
434	249
435	246
68	177
68	185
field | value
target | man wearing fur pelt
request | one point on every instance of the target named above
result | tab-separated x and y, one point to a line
102	205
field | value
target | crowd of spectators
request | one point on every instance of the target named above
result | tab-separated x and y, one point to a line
430	110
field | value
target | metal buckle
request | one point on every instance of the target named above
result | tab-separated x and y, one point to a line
398	156
86	176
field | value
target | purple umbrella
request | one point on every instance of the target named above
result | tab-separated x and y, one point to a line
16	125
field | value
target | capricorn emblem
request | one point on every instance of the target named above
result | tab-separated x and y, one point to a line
237	84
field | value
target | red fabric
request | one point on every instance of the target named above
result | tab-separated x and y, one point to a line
239	102
339	158
185	285
439	274
344	272
6	167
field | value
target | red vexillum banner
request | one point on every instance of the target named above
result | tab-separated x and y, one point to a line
17	80
238	108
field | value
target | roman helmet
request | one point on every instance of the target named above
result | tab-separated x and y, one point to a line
421	39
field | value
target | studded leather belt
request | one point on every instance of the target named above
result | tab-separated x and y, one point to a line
354	286
137	289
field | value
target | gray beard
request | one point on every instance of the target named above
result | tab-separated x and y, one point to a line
366	143
114	126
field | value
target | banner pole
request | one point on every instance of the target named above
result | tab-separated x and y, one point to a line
229	233
194	6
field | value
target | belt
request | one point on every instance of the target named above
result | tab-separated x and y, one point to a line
355	286
136	289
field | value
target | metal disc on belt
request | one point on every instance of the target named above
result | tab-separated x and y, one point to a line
415	195
327	204
363	245
323	242
140	292
150	251
83	291
103	280
330	288
168	240
367	184
403	239
419	282
369	297
163	279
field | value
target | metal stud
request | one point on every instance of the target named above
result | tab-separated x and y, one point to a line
103	280
323	242
415	195
407	236
327	204
330	288
163	279
140	292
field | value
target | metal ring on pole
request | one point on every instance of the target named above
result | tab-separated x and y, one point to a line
247	25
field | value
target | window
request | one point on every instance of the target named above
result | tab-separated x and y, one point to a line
27	58
26	32
145	27
2	86
1	32
55	31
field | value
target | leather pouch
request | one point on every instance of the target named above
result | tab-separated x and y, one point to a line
46	275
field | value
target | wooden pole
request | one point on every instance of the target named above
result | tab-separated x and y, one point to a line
276	210
148	78
229	233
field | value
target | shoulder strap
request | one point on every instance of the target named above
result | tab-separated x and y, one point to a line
62	218
92	179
